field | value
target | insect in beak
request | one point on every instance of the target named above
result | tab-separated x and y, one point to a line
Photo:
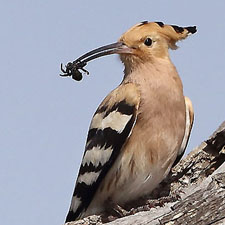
74	68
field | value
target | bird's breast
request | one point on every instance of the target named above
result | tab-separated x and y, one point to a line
152	148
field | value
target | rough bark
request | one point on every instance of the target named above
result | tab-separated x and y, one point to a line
193	193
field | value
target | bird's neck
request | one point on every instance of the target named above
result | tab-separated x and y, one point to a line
152	72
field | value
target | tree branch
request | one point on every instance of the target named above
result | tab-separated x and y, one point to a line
193	193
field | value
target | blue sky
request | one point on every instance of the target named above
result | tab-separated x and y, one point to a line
45	118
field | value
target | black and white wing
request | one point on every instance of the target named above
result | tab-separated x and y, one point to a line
110	127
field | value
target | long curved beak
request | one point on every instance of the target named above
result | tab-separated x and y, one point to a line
72	68
115	48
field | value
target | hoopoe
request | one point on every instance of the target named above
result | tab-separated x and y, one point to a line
141	128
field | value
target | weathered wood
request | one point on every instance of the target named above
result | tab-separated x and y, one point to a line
204	206
193	193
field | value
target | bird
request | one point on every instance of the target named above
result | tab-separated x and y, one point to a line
141	128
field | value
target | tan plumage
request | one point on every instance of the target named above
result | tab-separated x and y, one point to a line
160	120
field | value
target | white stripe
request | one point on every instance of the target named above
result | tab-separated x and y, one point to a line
97	155
75	203
88	178
115	120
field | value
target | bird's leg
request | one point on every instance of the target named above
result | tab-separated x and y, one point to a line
114	211
119	210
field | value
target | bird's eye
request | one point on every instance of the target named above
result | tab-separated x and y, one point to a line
148	42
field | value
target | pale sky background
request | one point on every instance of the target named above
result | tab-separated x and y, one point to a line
44	118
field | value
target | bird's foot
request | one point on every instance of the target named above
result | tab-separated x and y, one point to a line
113	212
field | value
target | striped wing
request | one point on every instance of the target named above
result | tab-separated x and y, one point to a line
189	124
110	127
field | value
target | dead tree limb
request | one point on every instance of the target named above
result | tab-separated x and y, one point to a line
193	193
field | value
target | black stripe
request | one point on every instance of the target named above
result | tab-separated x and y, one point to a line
82	188
91	134
101	109
102	137
71	216
87	168
122	107
161	24
143	23
97	138
107	137
178	29
191	29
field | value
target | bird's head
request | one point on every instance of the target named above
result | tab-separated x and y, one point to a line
142	43
149	40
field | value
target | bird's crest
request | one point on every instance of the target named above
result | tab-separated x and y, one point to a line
172	33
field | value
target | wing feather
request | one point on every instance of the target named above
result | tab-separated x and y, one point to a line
110	127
